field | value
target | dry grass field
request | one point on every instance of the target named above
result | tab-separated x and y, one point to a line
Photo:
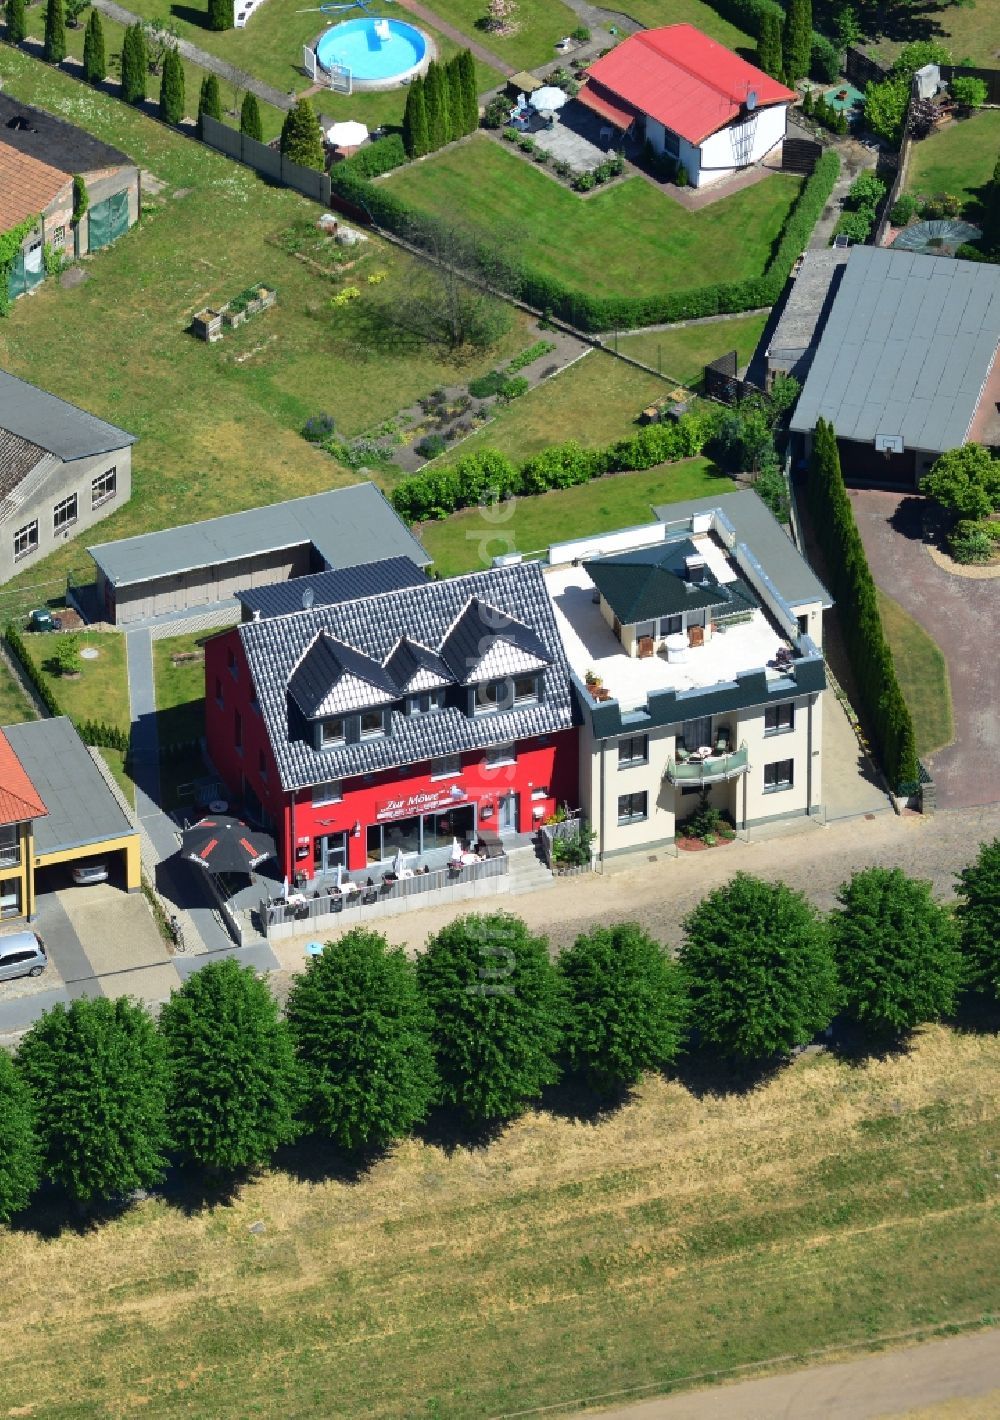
689	1233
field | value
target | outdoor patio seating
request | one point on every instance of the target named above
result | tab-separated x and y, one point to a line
723	740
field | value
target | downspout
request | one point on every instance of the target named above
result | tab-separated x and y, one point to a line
603	755
294	843
809	758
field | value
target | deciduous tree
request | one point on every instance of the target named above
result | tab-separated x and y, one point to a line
95	63
896	951
97	1074
496	1019
978	916
965	481
362	1035
54	47
302	138
20	1154
759	971
624	1001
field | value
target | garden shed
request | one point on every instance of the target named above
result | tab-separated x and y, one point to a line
163	573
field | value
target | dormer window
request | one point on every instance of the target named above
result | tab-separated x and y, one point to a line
372	724
526	689
332	732
488	696
426	703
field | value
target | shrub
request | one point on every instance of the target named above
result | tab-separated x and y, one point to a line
866	190
20	1155
902	209
970	543
510	134
856	225
681	175
486	385
540	155
965	481
430	446
496	112
301	139
526	143
574	850
978	918
318	428
705	820
968	91
581	34
824	59
512	389
771	488
379	157
583	182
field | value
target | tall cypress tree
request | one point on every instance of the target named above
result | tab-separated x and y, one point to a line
470	90
769	55
209	99
456	98
301	137
415	137
172	87
250	118
220	14
95	63
434	101
17	24
55	32
798	40
135	65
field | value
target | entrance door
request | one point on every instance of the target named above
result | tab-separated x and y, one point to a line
328	851
508	813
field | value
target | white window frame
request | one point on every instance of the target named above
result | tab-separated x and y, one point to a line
328	741
635	759
331	791
531	699
101	489
376	734
72	500
58	237
29	536
446	766
785	708
488	707
427	702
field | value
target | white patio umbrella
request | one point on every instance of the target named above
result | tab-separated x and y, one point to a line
349	134
398	862
340	874
548	97
456	848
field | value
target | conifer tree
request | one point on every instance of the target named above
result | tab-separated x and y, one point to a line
415	137
220	14
54	49
135	65
455	96
797	40
17	24
250	118
769	55
470	90
172	87
209	100
301	137
434	102
95	63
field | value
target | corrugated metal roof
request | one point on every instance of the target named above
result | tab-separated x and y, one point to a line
328	588
82	809
53	424
687	81
346	526
754	524
906	349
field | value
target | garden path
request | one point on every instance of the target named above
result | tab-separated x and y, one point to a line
486	56
267	93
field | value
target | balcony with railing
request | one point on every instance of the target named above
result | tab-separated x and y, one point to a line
710	769
10	853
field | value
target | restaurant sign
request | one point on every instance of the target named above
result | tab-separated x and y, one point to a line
427	801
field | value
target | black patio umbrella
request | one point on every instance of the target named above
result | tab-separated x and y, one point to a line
226	845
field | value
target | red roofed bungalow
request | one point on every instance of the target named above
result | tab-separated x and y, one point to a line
691	98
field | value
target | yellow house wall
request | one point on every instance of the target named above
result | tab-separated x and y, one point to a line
22	872
128	844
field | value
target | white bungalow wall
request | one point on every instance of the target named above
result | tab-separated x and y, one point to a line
721	153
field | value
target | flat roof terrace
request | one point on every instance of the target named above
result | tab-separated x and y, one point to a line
591	645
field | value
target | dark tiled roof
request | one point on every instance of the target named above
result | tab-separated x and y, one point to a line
487	642
332	678
427	615
54	141
329	588
414	667
17	458
649	582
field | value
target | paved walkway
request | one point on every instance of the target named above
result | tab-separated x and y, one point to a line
960	614
890	1384
223	70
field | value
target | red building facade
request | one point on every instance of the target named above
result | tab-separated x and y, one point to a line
362	820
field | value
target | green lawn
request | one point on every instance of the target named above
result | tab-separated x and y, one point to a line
683	353
14	704
840	1204
959	159
469	540
923	676
629	238
100	691
969	30
218	425
180	690
693	12
540	25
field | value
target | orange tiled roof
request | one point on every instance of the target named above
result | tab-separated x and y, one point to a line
19	799
27	185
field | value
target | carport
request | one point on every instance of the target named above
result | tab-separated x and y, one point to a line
86	816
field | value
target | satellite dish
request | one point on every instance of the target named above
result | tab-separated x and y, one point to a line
751	100
308	597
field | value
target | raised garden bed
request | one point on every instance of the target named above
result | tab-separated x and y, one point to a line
208	324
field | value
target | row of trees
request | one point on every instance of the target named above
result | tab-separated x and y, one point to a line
881	702
784	47
100	1097
441	106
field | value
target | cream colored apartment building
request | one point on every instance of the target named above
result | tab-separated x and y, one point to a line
695	644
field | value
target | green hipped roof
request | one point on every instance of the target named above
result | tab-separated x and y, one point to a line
649	582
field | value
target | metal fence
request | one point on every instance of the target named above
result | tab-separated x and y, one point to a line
266	161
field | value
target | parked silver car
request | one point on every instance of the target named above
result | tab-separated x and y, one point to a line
22	954
85	873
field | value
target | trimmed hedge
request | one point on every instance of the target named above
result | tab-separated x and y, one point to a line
581	308
489	476
882	706
377	158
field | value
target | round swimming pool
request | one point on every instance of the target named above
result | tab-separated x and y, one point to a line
379	53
